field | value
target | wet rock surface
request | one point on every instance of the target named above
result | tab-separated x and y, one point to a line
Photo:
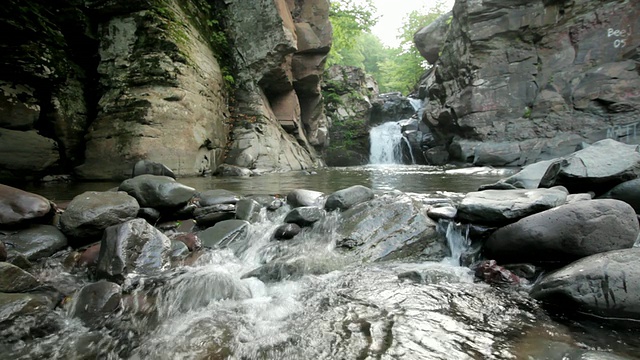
304	216
605	284
95	302
17	206
37	242
89	213
566	233
134	246
160	192
15	280
504	206
347	198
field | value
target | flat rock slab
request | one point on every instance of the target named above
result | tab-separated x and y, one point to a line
496	207
217	197
606	284
566	233
597	168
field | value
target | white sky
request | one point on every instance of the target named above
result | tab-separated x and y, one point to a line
392	12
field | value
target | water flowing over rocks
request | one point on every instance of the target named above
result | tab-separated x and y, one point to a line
561	73
133	246
389	227
89	213
226	233
566	233
304	216
94	302
18	206
605	284
495	207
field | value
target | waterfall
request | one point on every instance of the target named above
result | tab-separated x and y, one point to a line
386	144
457	239
417	106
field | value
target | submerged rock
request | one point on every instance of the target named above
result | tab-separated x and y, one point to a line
566	233
505	206
606	284
160	192
347	198
38	241
134	246
95	302
15	280
287	231
17	206
89	213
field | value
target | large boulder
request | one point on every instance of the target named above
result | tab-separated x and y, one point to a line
606	284
18	206
496	207
566	233
529	177
38	241
347	198
89	213
94	302
628	192
597	168
160	192
14	280
134	246
143	167
390	227
430	39
26	154
302	197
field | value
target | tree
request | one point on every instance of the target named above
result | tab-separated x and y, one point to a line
402	70
349	19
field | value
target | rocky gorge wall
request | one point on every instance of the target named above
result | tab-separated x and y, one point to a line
526	81
91	87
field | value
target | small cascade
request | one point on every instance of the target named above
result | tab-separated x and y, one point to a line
406	141
457	239
386	144
417	106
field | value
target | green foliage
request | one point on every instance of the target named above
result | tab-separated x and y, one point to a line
349	19
527	112
219	40
401	71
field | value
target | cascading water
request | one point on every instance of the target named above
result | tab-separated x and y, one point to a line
386	144
417	106
457	238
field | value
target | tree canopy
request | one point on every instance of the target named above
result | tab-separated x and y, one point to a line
395	69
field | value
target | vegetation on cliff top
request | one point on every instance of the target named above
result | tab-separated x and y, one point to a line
395	69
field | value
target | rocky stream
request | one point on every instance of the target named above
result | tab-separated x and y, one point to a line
155	269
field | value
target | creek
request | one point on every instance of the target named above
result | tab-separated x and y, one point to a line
332	306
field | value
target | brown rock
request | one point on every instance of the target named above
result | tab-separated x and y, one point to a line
17	206
89	257
3	252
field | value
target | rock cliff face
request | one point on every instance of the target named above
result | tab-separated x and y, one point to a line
281	48
349	95
527	81
94	86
